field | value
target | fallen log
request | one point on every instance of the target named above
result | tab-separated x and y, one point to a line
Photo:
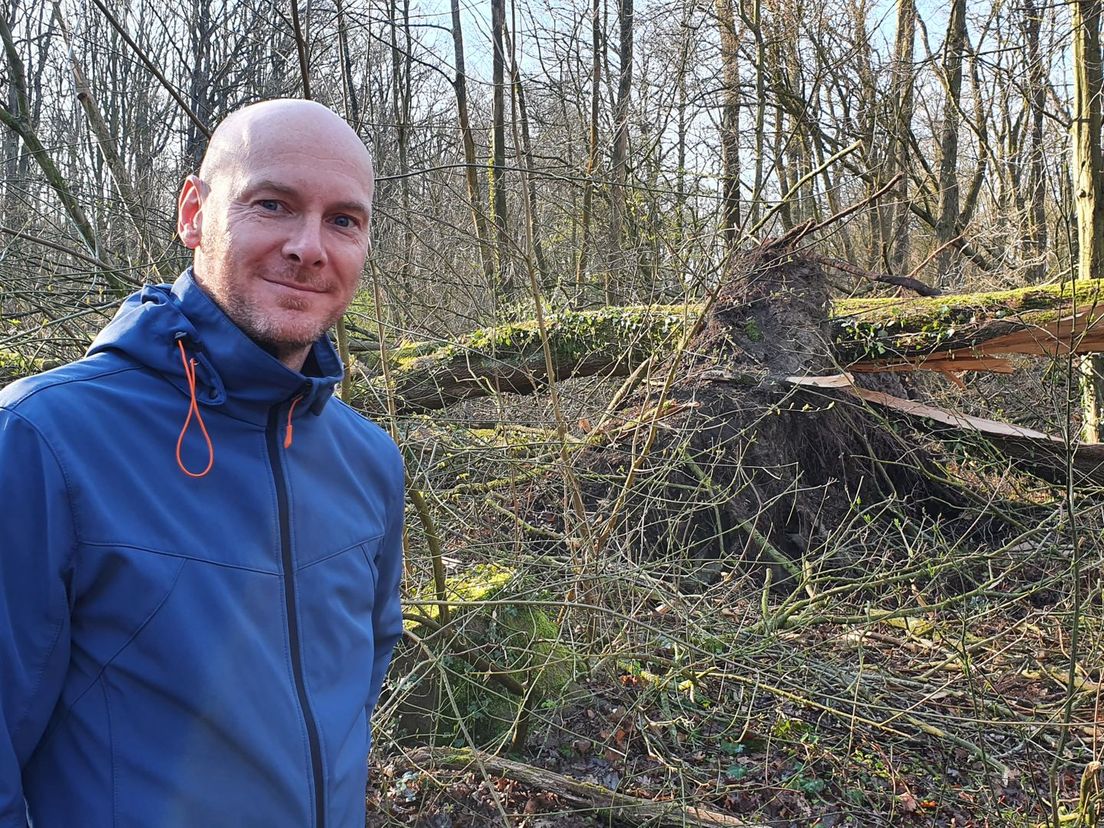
967	332
576	796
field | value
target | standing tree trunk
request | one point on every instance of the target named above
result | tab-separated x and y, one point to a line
471	169
1035	237
895	238
946	224
19	120
1088	186
200	35
503	287
592	144
619	162
527	160
730	118
400	103
348	87
108	146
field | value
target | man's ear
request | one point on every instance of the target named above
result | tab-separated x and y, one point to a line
189	212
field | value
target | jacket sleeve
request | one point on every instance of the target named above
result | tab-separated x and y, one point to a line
387	613
36	543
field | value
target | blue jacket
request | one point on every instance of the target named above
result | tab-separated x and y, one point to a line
179	651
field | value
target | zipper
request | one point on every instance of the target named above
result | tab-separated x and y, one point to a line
294	642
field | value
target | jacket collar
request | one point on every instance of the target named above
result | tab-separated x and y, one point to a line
232	371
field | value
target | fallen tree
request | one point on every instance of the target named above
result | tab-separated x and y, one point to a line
945	333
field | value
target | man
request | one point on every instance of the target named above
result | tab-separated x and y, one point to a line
200	550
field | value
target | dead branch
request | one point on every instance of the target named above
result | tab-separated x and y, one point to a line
621	809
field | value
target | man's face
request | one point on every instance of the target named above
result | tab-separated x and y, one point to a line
280	233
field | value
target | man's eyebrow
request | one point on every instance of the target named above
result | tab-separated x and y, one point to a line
352	207
268	185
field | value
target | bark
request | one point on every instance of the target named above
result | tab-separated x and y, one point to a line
945	333
400	104
348	87
1035	235
20	121
1042	455
535	233
108	147
510	358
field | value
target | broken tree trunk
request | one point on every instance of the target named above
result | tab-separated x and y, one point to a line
945	333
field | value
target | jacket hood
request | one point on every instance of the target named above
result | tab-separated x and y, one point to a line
231	369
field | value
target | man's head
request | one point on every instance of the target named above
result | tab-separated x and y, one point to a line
278	218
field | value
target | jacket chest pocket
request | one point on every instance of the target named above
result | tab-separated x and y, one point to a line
337	603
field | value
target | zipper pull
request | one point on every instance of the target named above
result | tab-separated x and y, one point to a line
289	429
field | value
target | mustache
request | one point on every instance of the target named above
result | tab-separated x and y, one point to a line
299	276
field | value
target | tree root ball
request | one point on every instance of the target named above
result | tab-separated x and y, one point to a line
744	464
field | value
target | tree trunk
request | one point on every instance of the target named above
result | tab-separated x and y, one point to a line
19	121
895	241
496	179
620	809
400	104
1035	236
946	225
471	168
592	146
1088	184
618	264
730	117
524	146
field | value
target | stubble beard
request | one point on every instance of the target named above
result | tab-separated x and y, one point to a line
279	332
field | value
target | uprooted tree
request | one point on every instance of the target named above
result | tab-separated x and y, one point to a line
727	454
749	441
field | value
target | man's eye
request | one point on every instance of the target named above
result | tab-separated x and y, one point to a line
269	204
346	222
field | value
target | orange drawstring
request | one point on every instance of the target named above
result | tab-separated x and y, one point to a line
287	432
193	410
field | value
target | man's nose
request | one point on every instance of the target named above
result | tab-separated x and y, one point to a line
304	247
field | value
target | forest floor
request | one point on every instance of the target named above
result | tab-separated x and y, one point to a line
948	717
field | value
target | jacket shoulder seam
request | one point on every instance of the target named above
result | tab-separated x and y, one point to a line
58	383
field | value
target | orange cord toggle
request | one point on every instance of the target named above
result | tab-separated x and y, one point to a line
193	411
287	431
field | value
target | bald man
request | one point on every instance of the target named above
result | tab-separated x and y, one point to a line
200	549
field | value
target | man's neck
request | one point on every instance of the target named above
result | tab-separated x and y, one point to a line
293	357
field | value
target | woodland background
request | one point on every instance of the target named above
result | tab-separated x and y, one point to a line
541	157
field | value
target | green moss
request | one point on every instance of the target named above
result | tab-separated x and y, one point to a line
870	328
519	638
